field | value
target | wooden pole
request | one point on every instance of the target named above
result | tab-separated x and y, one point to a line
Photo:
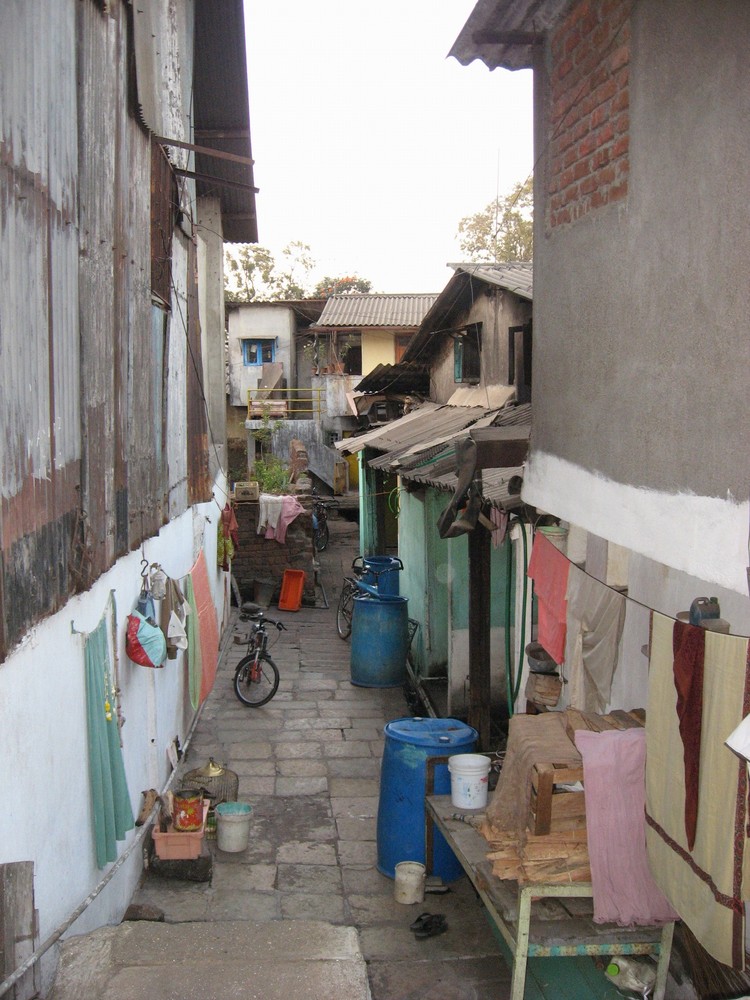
479	634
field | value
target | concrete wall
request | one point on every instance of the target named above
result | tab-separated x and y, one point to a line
641	349
47	815
496	310
258	321
378	348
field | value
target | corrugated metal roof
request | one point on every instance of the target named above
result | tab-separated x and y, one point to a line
222	114
410	377
430	459
375	309
504	33
515	276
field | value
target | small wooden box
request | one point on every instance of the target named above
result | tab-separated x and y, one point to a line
552	808
246	492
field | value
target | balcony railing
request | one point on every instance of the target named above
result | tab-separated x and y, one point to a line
281	404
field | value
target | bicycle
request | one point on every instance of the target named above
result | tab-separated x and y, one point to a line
256	676
349	591
320	509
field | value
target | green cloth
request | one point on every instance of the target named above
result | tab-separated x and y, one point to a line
113	815
195	659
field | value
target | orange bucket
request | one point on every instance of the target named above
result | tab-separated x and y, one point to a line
187	811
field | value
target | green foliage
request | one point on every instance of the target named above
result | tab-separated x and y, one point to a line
272	474
504	231
336	286
252	273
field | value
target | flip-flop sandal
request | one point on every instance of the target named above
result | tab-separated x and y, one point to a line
431	928
420	922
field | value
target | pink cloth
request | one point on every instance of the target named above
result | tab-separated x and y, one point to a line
209	630
549	568
614	778
290	508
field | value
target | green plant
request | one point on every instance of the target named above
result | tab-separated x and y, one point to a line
272	474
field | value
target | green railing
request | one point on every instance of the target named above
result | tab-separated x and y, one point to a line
284	404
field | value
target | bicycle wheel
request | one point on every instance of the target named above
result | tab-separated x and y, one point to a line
344	610
256	692
321	536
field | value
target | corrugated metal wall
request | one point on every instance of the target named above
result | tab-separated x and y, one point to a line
87	391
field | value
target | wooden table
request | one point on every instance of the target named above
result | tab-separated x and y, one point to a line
539	920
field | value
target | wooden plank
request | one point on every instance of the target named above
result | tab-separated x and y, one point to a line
18	926
479	634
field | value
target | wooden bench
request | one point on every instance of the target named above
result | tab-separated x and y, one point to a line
536	920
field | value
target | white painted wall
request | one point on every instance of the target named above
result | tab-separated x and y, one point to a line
46	815
704	537
258	321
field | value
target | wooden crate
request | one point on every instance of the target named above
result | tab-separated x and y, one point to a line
552	808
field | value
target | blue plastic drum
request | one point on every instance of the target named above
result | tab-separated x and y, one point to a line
400	828
380	641
382	572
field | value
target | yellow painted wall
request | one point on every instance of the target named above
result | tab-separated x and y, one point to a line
377	349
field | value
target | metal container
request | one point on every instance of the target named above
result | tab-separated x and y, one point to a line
187	811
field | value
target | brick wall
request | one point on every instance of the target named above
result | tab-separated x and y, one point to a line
590	116
258	558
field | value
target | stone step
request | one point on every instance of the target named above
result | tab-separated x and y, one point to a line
276	960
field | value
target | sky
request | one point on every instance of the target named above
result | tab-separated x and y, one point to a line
369	144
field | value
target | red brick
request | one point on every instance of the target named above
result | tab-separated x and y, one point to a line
620	146
618	191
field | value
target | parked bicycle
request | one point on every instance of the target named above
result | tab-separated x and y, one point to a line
256	676
349	590
320	510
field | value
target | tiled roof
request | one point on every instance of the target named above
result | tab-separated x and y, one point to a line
375	310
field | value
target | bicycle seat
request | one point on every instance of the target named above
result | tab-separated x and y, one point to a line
249	608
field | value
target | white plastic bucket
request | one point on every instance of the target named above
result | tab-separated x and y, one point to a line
233	826
469	780
409	884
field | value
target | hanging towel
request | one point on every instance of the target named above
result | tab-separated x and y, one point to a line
548	568
208	630
269	513
195	656
290	508
595	618
614	786
688	649
112	812
708	884
499	519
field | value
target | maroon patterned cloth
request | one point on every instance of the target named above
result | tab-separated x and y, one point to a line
688	646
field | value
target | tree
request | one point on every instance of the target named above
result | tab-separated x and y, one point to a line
337	286
504	230
252	272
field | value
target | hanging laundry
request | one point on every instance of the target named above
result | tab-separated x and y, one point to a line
111	808
158	582
228	537
290	508
174	611
499	519
269	512
706	885
548	568
688	650
595	618
614	787
203	632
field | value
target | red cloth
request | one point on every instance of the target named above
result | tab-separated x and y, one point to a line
689	646
209	630
549	569
614	776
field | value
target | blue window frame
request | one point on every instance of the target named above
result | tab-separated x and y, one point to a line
258	352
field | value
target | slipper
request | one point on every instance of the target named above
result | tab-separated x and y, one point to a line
420	922
432	927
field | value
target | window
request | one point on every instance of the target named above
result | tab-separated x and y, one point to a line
258	352
467	354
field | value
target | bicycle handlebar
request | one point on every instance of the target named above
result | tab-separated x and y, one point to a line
261	619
